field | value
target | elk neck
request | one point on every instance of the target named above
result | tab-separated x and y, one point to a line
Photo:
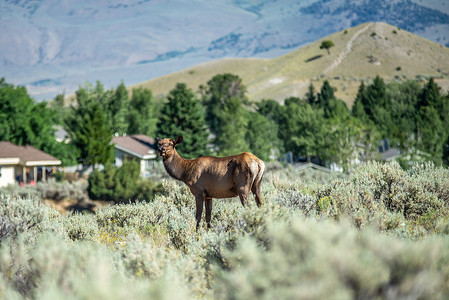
175	165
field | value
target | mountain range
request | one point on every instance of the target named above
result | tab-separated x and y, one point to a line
53	46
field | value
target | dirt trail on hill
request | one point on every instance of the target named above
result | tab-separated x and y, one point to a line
346	51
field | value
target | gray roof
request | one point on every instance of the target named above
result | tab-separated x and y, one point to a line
390	154
305	165
139	145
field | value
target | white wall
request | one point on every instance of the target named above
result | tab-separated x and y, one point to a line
6	175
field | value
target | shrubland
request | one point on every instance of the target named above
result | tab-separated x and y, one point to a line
381	232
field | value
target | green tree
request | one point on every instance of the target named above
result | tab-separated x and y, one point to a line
141	114
350	141
221	89
329	103
24	122
431	135
271	110
231	139
336	108
327	44
304	132
325	95
446	152
182	114
116	108
430	94
358	108
262	136
15	114
88	128
403	99
375	96
59	108
311	96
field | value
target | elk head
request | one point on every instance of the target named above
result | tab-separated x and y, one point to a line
166	146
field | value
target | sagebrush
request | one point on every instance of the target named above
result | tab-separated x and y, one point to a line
379	233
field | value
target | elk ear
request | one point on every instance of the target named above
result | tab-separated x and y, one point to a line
179	140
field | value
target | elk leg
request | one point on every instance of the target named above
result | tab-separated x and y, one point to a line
256	191
208	211
243	195
199	209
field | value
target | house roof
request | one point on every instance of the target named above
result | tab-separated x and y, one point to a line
11	154
390	154
305	165
138	145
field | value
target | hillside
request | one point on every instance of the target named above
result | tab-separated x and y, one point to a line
53	46
360	53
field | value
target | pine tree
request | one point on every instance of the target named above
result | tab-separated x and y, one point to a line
375	96
93	137
358	110
141	115
88	128
430	94
311	96
431	134
116	109
182	114
325	95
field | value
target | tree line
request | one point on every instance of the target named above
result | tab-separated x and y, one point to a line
220	119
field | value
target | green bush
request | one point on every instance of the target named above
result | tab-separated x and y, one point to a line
121	185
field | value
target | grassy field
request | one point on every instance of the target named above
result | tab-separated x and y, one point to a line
360	53
380	232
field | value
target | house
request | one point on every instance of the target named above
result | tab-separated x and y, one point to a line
387	152
24	164
135	147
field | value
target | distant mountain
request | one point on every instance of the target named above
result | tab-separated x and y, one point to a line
52	46
360	53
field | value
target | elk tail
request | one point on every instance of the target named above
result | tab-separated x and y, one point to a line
261	169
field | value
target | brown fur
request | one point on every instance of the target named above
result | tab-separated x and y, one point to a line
213	177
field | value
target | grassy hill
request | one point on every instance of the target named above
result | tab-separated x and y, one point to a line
360	53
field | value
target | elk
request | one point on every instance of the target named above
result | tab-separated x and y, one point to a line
213	177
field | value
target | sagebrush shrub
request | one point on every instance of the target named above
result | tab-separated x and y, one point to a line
321	260
27	216
302	243
377	191
49	189
81	227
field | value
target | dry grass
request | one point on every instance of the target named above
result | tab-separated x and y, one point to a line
290	75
